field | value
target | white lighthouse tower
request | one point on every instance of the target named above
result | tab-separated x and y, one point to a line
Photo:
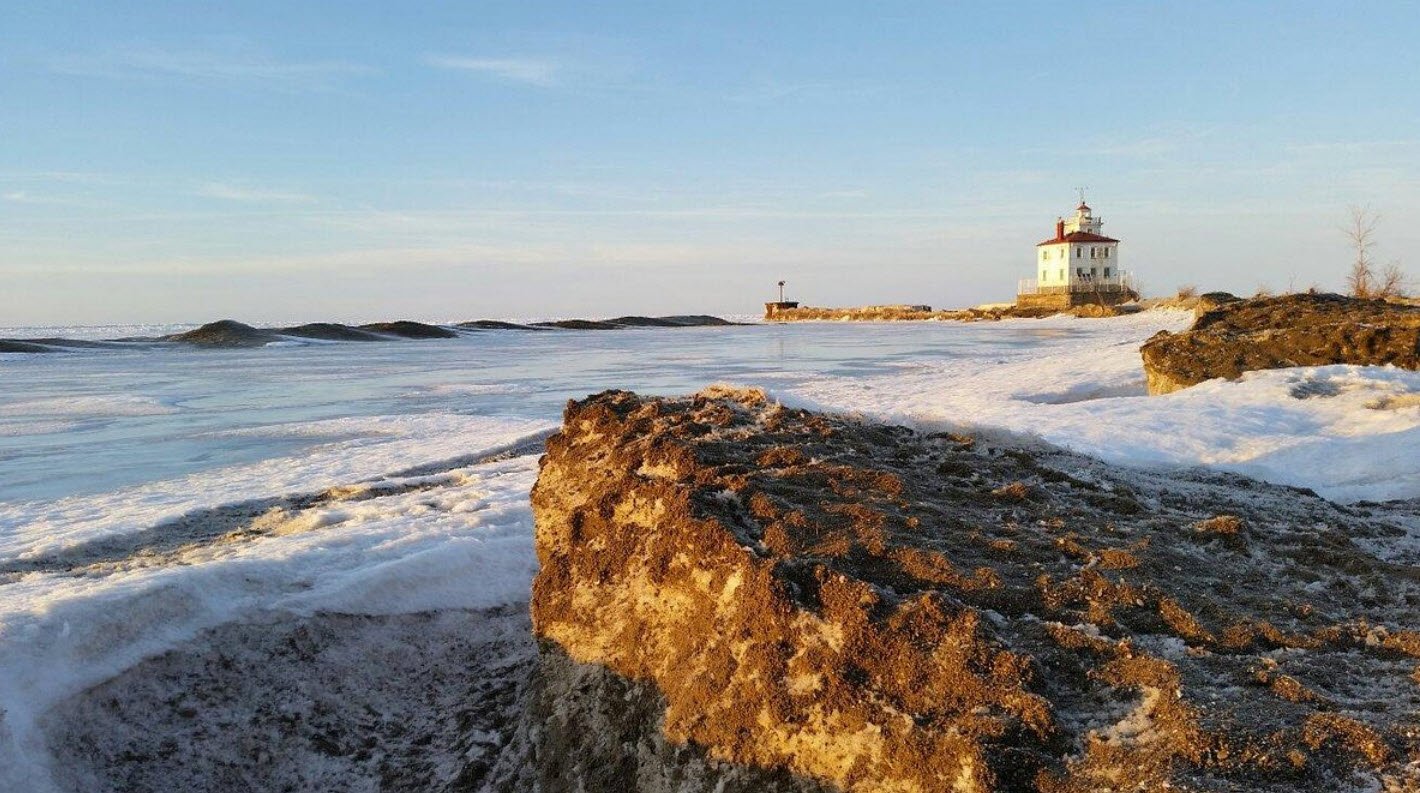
1077	265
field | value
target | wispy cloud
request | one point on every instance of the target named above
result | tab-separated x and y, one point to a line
28	198
245	194
543	72
1333	148
63	177
225	62
775	91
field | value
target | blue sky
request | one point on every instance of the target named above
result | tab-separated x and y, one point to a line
274	161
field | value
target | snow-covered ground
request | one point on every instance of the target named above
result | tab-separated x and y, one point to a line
83	601
1350	433
152	500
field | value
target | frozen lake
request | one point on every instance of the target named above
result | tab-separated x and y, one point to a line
88	422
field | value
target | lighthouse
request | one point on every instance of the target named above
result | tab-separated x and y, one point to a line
1076	266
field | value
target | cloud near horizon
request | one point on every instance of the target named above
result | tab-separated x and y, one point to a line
543	72
224	62
241	193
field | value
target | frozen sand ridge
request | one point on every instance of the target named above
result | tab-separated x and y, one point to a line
1286	331
875	609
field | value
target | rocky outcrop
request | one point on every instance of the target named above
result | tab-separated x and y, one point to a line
225	333
329	331
618	323
918	313
673	321
577	324
408	329
18	345
494	324
1276	332
733	593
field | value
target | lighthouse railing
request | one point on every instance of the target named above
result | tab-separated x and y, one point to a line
1116	282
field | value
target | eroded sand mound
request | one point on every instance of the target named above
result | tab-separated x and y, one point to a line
1277	332
225	333
410	330
834	605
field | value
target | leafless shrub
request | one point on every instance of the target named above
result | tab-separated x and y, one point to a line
1187	291
1392	281
1360	230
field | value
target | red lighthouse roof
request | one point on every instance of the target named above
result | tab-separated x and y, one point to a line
1076	236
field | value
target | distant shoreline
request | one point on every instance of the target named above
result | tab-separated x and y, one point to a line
923	314
231	334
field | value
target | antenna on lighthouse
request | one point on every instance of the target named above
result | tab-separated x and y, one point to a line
1082	194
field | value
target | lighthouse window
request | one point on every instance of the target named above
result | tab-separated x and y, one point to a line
1106	253
1079	252
1106	272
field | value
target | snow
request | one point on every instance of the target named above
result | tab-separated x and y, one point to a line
353	449
118	405
1347	432
459	539
149	500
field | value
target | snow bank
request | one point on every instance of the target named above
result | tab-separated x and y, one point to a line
1347	432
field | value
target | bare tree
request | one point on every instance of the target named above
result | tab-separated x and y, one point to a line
1392	281
1361	231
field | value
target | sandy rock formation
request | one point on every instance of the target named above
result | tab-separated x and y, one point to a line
409	329
903	314
21	345
730	588
225	333
1276	332
329	331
